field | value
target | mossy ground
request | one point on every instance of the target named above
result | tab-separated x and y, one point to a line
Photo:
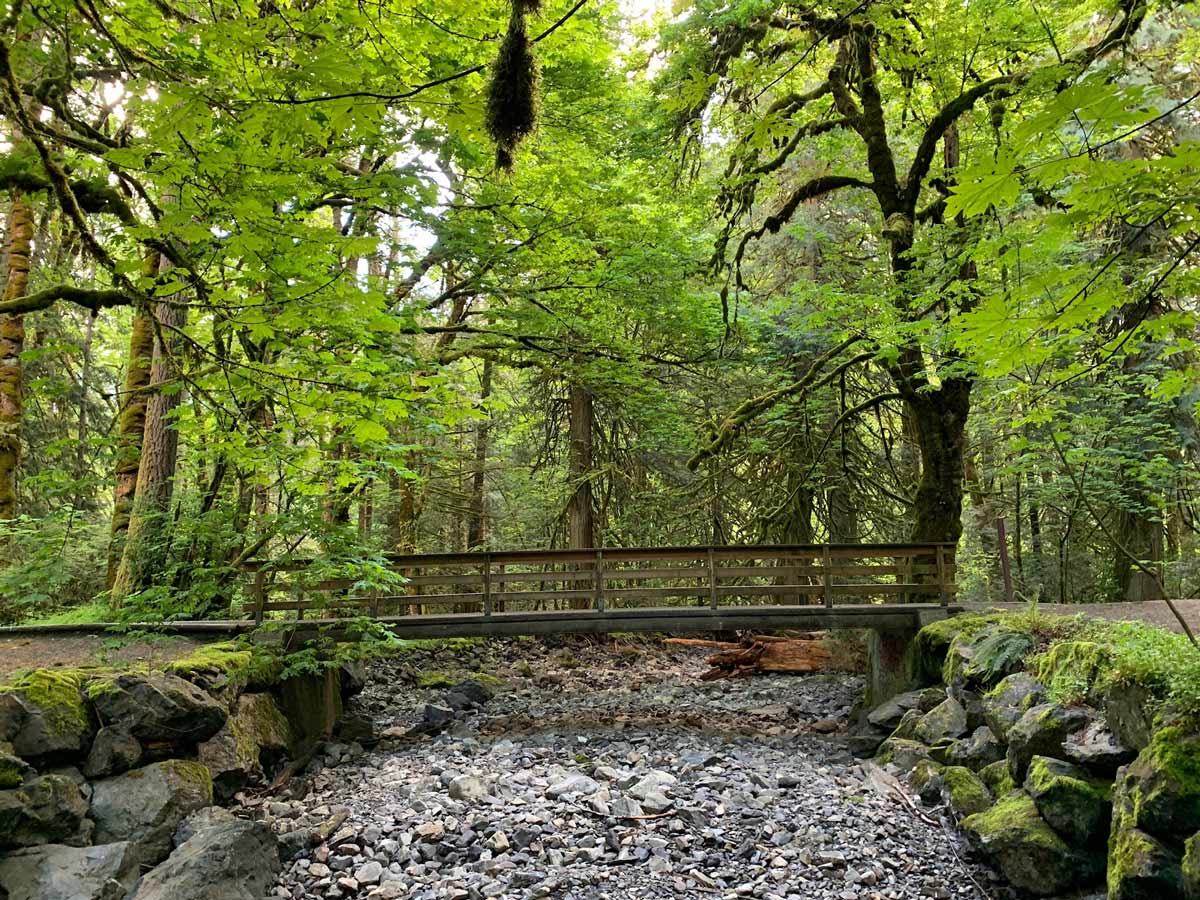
10	776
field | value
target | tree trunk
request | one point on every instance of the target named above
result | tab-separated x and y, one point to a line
12	343
581	526
940	417
147	534
131	426
477	524
1142	535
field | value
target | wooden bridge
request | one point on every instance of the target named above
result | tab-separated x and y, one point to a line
886	587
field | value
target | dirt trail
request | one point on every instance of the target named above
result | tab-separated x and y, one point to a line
27	651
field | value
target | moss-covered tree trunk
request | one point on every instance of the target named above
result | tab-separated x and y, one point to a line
148	533
581	518
12	343
130	428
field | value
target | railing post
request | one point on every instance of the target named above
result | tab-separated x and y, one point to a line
712	578
487	585
941	573
598	581
260	593
827	576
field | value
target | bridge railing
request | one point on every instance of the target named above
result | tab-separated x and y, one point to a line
500	582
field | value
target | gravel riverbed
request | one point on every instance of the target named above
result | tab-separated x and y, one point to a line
602	770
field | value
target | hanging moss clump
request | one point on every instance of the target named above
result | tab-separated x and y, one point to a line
512	94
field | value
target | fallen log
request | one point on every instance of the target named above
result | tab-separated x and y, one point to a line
770	653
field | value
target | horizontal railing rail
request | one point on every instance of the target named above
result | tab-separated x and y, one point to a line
491	582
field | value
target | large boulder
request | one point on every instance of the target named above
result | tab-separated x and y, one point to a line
162	710
946	721
964	792
1129	710
113	751
45	810
888	714
1028	852
1076	806
980	749
1042	731
902	755
145	806
227	860
56	872
1098	749
1004	704
1162	786
997	778
234	755
1141	867
45	716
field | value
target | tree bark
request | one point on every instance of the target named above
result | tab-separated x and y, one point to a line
477	523
131	426
581	524
147	534
12	343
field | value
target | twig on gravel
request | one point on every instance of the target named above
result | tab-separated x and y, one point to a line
912	807
645	818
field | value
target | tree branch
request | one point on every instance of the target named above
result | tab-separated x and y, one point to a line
85	297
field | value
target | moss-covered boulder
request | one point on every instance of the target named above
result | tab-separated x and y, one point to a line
45	810
1163	784
946	721
998	779
45	715
903	755
1140	866
925	779
981	748
1026	850
964	792
1130	709
907	729
235	755
1074	805
930	647
159	710
1010	699
1042	731
1191	867
145	806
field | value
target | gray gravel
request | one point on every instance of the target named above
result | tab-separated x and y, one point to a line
599	772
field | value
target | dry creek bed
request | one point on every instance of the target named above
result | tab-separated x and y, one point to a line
601	772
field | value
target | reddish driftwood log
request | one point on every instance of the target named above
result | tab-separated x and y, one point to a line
811	652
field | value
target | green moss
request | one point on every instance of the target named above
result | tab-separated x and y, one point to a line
10	776
998	778
1016	813
1140	866
435	680
1191	866
1071	669
194	772
58	693
1175	751
488	680
968	794
228	658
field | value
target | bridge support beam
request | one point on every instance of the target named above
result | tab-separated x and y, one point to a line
890	669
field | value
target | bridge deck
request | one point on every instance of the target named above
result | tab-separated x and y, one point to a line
891	617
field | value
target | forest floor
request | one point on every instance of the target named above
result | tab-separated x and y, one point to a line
608	770
1152	613
20	652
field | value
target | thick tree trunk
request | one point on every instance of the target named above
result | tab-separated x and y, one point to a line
147	534
477	523
940	417
130	430
1142	536
12	343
